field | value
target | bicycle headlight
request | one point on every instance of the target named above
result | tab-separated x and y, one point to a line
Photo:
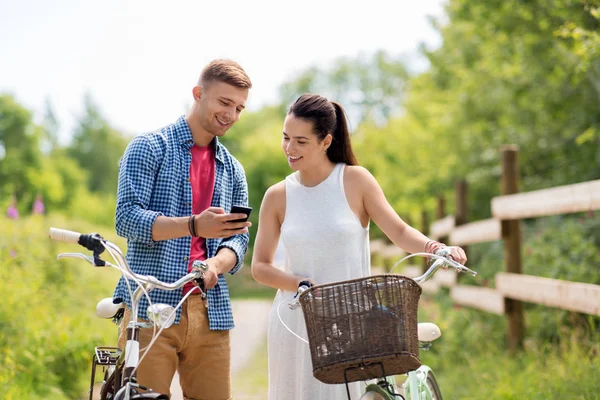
162	315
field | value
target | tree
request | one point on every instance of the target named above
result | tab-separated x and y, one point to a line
370	88
51	127
19	151
97	148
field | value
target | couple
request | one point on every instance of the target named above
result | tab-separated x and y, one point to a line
176	187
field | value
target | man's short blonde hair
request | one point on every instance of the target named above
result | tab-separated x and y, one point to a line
224	71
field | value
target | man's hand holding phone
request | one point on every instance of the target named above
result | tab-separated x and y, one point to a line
215	223
241	210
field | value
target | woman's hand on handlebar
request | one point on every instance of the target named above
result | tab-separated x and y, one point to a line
457	254
304	281
454	252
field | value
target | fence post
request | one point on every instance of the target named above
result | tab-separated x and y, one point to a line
441	213
425	231
511	234
460	217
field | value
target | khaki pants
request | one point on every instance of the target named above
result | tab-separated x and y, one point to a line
201	356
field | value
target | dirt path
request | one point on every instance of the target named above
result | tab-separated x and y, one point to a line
250	332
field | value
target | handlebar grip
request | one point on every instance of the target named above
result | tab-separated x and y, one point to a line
302	289
64	235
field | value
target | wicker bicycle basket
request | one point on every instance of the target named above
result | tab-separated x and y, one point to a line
359	328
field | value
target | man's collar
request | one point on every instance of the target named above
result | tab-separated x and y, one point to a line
185	138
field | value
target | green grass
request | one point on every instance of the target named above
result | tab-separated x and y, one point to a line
48	327
470	360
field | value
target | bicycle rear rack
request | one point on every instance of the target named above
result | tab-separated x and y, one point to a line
105	356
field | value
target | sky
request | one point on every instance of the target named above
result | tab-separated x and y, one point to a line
140	59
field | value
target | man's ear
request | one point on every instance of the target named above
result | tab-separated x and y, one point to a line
197	92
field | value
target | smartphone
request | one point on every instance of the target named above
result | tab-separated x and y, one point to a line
241	210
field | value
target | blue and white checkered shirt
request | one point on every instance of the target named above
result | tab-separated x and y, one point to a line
154	180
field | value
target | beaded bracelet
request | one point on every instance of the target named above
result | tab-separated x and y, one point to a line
432	246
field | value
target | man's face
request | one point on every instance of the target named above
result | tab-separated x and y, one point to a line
219	106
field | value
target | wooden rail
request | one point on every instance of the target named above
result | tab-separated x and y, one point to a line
573	296
442	227
487	230
558	200
481	298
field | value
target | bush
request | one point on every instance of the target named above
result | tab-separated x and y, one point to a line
48	327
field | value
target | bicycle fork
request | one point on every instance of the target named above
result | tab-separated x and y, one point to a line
415	387
413	383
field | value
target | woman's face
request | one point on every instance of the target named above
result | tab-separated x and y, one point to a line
301	145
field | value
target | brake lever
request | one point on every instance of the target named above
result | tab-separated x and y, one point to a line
445	252
459	267
95	261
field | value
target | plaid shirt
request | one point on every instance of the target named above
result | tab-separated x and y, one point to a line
154	180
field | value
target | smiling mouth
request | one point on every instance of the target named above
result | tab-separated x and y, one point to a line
221	122
293	159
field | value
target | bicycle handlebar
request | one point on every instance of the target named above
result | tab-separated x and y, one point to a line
295	303
94	242
442	257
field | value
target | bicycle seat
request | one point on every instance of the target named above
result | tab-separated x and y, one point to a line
428	332
109	307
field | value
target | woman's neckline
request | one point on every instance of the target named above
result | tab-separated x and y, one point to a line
297	178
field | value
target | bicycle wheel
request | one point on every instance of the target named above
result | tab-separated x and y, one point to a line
107	392
434	388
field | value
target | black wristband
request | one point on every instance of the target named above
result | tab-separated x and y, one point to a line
305	283
192	225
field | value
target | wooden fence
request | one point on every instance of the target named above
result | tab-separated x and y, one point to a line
511	286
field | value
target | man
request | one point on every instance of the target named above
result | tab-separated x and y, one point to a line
175	186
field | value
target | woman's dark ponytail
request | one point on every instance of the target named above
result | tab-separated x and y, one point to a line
341	147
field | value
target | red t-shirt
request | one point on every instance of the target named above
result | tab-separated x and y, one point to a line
202	178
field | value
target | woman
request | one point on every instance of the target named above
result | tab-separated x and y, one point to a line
321	212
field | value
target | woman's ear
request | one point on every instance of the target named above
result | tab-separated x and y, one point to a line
327	141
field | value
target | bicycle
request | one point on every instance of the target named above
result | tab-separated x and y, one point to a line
119	367
344	350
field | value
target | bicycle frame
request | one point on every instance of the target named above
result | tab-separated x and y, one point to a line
129	359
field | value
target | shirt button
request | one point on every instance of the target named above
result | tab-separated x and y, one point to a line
188	179
187	204
190	153
185	258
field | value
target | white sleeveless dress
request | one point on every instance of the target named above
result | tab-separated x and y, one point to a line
323	240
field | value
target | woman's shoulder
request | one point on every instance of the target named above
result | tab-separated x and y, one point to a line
276	192
273	202
357	173
277	188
